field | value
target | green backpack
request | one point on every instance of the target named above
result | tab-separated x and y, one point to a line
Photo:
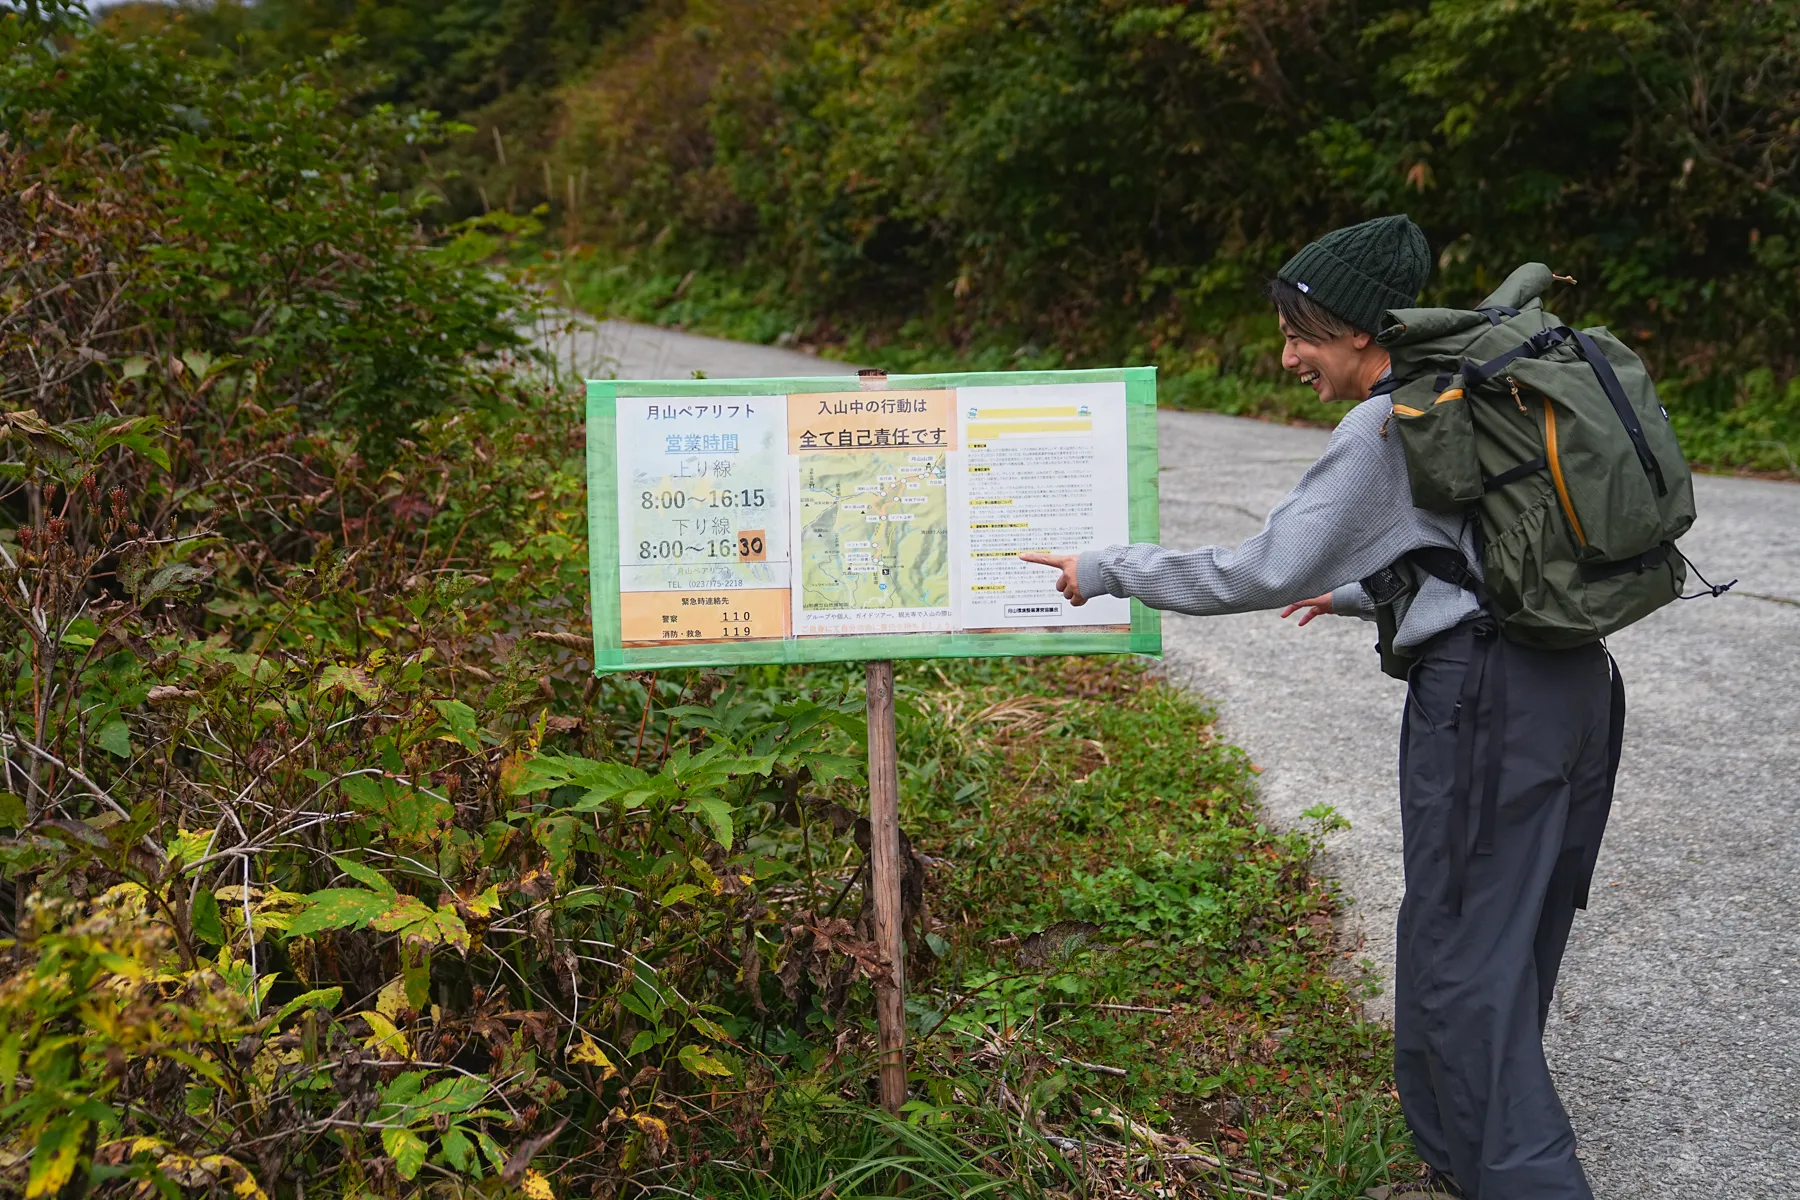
1553	440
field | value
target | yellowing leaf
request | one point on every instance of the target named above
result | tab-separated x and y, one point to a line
516	776
704	873
485	903
456	1095
53	1161
355	680
191	845
403	916
699	1062
537	1186
588	1051
557	836
390	1001
450	929
490	1150
383	1037
681	892
406	1148
129	897
338	908
406	813
711	1029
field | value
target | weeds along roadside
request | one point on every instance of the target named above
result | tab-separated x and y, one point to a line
381	889
328	869
376	888
474	918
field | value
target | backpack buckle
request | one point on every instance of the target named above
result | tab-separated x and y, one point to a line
1546	339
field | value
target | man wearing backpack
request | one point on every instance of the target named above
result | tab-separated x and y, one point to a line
1490	601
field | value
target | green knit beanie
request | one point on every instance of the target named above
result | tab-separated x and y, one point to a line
1361	271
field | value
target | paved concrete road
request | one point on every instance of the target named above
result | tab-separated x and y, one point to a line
1676	1033
622	350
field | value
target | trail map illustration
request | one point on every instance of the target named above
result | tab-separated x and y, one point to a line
874	530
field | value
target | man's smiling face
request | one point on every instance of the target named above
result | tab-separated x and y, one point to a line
1332	369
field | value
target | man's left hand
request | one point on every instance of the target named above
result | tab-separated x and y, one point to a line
1318	606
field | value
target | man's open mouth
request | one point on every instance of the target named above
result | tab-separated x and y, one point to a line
1310	378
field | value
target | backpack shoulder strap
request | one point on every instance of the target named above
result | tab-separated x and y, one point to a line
1546	340
1449	565
1615	395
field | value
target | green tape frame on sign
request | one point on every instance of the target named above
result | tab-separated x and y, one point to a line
603	528
610	654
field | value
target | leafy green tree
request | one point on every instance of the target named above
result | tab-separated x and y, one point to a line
249	224
492	67
1114	179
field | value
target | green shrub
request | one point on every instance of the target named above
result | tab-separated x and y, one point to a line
329	868
1110	182
238	218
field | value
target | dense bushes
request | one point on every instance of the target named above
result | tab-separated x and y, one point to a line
237	393
490	67
328	870
1111	180
189	213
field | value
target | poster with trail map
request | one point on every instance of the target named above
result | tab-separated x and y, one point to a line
828	519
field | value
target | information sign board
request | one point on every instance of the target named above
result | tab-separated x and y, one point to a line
827	519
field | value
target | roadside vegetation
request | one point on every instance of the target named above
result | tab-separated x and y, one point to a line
1043	183
327	869
990	184
1060	182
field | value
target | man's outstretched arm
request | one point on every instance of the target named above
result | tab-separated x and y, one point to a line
1347	518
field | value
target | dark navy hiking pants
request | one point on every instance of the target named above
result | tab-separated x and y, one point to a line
1490	897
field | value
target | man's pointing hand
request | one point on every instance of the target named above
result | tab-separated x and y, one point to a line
1065	583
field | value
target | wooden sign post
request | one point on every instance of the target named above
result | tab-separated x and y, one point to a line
885	873
864	519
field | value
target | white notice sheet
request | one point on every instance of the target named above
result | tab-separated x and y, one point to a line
1043	468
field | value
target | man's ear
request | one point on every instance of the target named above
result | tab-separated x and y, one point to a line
1360	340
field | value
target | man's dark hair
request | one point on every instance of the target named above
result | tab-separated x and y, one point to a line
1304	315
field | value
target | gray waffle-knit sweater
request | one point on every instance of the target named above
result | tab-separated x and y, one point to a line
1350	515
